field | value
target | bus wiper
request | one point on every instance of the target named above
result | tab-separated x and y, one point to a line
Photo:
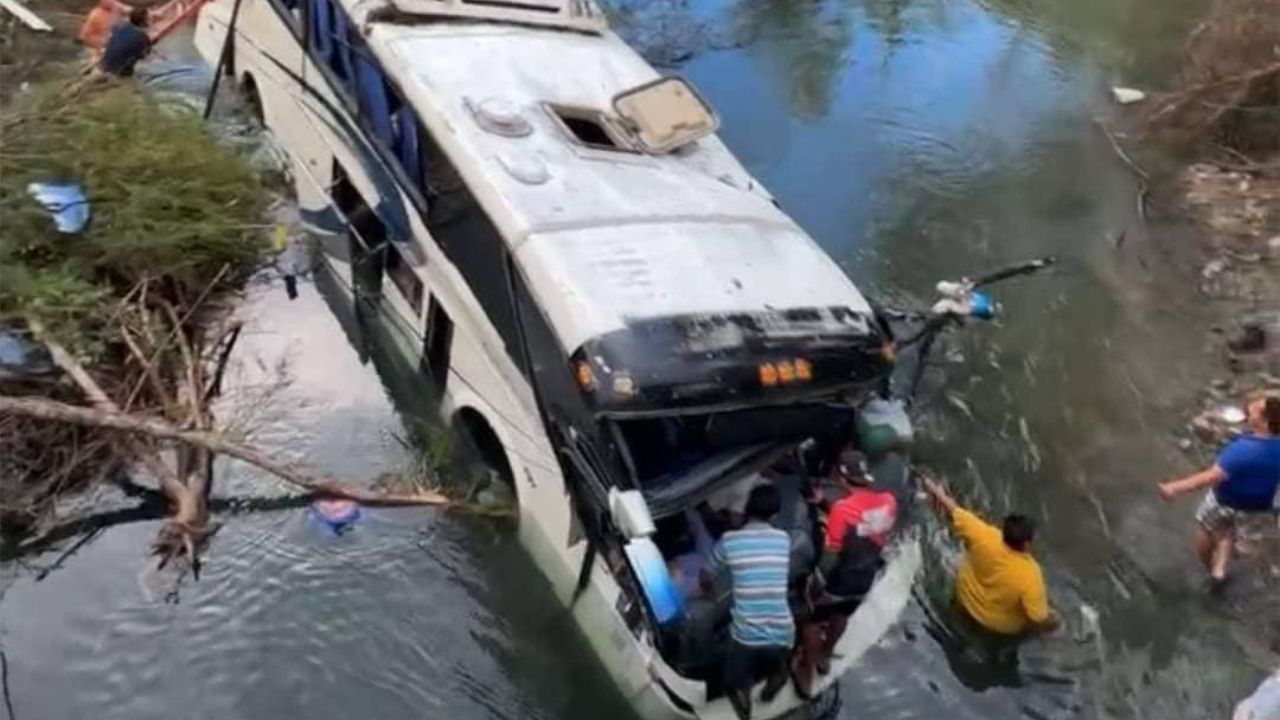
959	301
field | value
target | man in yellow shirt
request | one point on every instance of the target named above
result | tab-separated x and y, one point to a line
1000	585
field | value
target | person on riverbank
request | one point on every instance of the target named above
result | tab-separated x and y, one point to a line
1000	586
761	630
96	28
128	44
1244	480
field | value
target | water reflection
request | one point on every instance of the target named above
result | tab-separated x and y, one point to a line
805	44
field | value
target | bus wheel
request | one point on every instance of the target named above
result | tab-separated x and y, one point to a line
496	486
252	99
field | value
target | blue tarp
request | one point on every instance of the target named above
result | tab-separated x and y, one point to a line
66	202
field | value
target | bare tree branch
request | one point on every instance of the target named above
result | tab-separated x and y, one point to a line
303	477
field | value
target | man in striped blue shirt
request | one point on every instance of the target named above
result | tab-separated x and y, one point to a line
762	630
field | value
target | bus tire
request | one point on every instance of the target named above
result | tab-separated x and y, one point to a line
473	429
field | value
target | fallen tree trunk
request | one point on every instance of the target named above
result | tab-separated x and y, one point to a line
45	409
101	401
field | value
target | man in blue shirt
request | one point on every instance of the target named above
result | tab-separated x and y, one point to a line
1244	480
128	44
762	631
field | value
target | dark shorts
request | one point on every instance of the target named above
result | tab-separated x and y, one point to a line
747	664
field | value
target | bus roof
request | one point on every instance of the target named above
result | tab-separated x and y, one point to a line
603	234
596	279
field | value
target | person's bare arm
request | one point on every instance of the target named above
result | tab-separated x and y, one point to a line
942	500
1205	478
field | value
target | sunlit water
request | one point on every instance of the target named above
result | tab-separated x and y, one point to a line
916	141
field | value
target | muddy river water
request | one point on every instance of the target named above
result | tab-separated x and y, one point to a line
916	140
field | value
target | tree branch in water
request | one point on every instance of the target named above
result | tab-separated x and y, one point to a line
45	409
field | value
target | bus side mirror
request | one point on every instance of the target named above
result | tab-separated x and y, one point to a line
630	513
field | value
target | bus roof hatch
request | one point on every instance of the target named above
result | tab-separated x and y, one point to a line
665	114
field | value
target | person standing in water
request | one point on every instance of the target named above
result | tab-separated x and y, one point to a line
1000	586
1243	480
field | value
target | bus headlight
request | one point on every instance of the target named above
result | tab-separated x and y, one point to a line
623	385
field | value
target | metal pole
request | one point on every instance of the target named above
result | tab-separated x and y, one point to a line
223	58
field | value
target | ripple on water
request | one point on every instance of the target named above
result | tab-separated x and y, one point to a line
292	619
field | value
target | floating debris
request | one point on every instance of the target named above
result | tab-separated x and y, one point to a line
1127	96
338	514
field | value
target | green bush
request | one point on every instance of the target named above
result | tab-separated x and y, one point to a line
168	204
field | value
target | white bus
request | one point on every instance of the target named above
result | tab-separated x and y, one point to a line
613	309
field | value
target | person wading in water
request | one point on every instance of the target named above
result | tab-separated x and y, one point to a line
1000	588
1243	480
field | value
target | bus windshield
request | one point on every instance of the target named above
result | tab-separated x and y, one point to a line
677	459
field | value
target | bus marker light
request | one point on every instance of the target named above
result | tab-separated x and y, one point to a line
786	371
804	370
768	374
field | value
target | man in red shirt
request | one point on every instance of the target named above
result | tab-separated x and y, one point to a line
863	510
858	526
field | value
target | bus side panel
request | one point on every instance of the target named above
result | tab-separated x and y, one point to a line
268	50
311	123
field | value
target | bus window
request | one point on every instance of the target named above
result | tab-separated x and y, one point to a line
404	278
407	147
322	28
440	183
375	106
387	115
343	34
436	344
329	38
